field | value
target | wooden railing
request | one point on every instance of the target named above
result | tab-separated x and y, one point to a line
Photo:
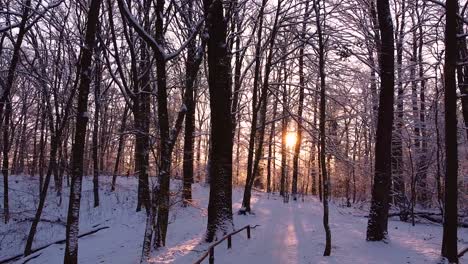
210	252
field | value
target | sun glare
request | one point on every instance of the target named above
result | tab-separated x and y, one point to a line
291	139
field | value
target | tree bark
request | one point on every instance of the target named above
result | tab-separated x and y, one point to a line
263	110
297	147
5	103
255	107
120	147
192	66
97	109
71	248
399	196
378	216
449	240
220	201
322	121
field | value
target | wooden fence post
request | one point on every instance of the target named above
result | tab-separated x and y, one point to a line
211	255
210	252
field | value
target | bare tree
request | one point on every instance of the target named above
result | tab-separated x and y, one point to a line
378	216
322	109
449	240
220	171
71	249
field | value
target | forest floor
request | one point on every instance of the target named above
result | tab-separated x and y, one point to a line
287	232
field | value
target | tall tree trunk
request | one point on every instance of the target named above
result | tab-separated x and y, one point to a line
347	167
220	201
255	107
5	161
284	132
141	111
42	144
191	67
5	103
238	59
315	159
144	108
97	109
373	76
165	149
263	110
399	196
271	154
462	71
297	147
449	241
422	162
322	109
378	216
71	248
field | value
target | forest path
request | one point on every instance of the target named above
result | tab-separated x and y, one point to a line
288	233
293	233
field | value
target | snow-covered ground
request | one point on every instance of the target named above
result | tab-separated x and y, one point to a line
287	233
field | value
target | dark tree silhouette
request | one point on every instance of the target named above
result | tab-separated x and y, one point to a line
449	240
378	216
220	169
71	248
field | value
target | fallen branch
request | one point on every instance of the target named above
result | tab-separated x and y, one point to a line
430	216
440	221
58	242
415	213
58	221
31	258
462	252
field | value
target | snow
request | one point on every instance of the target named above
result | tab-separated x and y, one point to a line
287	233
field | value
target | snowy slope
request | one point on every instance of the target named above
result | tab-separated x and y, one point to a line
287	233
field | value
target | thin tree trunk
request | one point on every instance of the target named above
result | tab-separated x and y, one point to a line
271	155
192	66
284	132
263	110
5	104
97	110
422	162
120	147
255	107
399	196
24	150
71	248
33	165
322	109
297	147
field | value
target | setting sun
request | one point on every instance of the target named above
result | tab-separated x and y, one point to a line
291	139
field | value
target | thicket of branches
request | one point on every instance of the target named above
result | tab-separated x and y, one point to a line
210	91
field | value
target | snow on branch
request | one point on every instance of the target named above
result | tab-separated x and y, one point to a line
150	40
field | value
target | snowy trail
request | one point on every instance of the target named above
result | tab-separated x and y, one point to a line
290	233
293	233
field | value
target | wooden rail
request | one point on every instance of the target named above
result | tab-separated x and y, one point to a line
210	252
